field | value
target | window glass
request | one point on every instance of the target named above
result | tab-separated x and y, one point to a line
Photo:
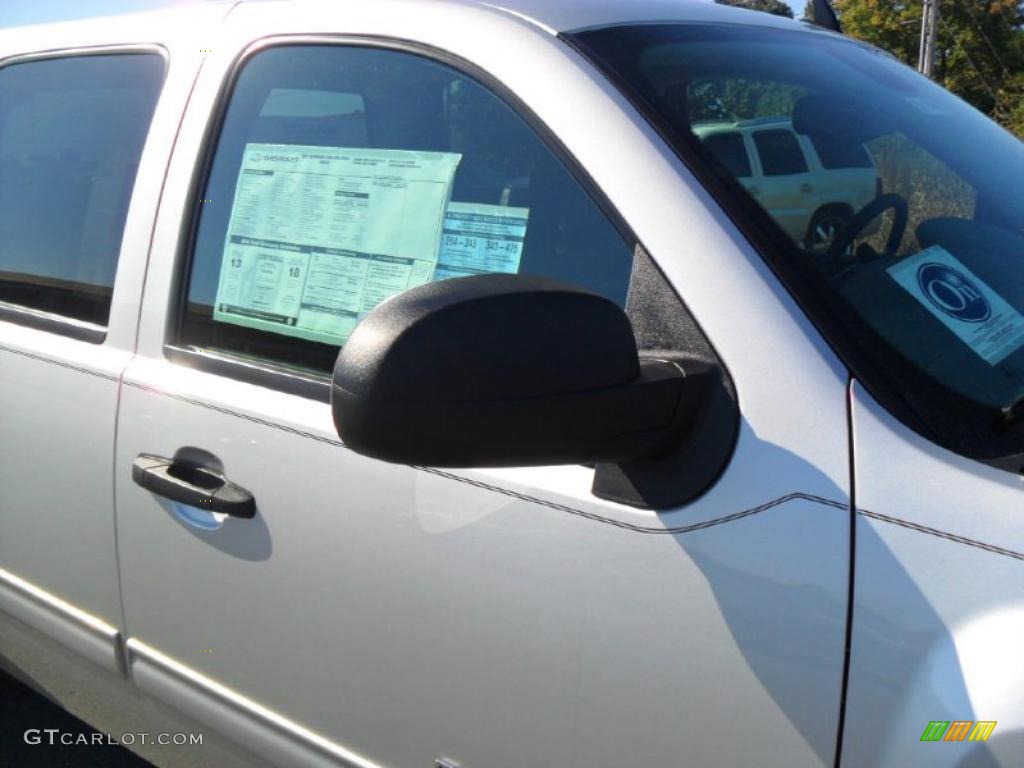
729	150
779	152
71	135
344	175
911	237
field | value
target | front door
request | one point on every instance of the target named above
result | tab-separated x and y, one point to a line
374	614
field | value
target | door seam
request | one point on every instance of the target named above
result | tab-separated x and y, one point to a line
852	554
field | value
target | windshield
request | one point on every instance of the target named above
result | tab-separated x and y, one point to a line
901	205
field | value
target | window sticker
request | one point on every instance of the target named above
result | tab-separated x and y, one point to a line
481	239
319	236
979	316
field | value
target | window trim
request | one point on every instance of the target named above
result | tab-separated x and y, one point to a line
51	322
275	376
279	376
61	325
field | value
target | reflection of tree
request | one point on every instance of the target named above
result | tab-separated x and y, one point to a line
735	99
777	7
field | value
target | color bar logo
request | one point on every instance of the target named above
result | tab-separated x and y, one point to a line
958	730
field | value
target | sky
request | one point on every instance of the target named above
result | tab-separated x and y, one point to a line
16	12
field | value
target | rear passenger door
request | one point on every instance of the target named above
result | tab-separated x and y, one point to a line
72	129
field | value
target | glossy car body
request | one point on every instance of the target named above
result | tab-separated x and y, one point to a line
843	581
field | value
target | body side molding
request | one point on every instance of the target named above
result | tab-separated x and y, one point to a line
92	637
265	732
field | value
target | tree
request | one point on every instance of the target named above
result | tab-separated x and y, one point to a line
1010	105
777	7
1009	108
980	47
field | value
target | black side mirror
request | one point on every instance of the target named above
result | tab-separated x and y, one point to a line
506	370
822	14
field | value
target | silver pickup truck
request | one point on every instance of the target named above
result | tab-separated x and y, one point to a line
394	383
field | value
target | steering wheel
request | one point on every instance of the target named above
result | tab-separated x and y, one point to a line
865	216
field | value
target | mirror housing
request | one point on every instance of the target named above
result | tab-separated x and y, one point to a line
506	370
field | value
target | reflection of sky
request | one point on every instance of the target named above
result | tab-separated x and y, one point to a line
15	12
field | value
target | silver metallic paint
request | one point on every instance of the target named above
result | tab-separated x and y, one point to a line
499	617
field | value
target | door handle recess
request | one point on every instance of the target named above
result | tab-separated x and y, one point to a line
192	485
806	188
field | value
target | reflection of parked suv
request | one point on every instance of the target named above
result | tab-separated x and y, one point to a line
811	187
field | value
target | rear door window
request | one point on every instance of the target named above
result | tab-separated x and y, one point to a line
344	175
730	151
71	136
780	153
